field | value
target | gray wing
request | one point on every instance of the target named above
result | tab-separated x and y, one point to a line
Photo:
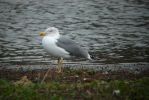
73	48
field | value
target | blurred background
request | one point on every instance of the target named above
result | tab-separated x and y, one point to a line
114	31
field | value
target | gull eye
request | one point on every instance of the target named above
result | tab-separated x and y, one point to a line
50	30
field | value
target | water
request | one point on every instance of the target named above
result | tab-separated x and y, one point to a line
113	31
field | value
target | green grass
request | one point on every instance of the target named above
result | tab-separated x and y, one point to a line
74	88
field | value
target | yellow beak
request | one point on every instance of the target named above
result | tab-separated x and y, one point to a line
42	34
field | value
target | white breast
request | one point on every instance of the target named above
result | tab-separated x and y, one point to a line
49	44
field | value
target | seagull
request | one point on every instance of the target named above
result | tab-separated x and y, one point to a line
61	46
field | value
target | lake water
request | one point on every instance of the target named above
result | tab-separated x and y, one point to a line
113	31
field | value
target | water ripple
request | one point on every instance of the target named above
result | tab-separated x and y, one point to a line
113	31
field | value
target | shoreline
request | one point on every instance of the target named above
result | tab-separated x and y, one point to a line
130	67
93	71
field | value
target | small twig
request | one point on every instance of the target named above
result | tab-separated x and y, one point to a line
45	75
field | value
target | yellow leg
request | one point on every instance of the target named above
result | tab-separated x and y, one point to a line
60	65
59	69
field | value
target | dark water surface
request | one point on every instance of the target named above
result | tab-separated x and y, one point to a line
112	30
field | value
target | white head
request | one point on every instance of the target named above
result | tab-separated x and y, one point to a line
51	31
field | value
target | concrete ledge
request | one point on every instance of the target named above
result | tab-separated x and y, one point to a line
129	67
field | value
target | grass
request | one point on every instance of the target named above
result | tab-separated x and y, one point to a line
75	85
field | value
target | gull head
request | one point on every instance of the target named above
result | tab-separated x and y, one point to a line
51	31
